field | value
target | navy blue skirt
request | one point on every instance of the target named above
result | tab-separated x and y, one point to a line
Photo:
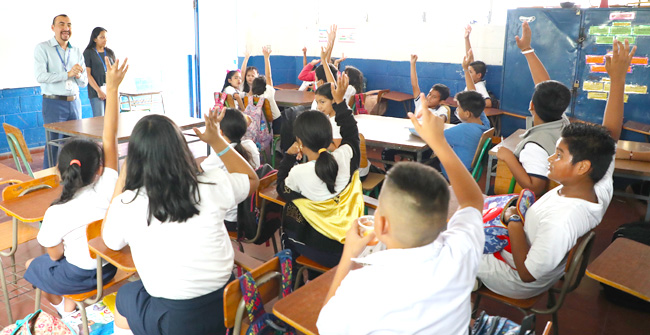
61	278
149	315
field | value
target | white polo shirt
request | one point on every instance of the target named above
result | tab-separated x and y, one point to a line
423	290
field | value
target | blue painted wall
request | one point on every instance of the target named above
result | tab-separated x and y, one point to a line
21	107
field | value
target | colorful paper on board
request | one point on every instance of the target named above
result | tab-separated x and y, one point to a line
604	39
621	24
595	59
620	30
598	69
622	16
606	86
597	95
598	30
642	30
592	86
639	60
625	97
636	89
630	39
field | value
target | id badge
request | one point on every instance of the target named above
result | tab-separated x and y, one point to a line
68	85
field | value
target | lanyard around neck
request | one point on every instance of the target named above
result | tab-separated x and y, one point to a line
65	64
102	58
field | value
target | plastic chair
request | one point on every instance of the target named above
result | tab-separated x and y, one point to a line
576	265
14	232
93	230
18	147
269	282
481	149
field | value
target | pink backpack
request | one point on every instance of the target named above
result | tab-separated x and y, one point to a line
38	323
258	131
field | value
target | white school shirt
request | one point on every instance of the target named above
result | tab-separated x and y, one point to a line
269	94
214	162
423	290
179	260
552	226
67	222
303	179
534	159
349	93
441	110
232	91
480	88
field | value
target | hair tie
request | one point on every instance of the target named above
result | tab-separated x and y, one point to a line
228	71
322	150
75	161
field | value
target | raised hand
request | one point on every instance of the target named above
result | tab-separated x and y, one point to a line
266	51
212	135
468	31
523	42
618	63
414	59
341	86
304	51
314	62
115	73
468	59
432	128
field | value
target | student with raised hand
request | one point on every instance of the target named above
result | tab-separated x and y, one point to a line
411	220
262	86
171	216
437	94
528	163
583	164
474	71
88	176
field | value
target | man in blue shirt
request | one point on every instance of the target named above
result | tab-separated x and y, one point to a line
59	68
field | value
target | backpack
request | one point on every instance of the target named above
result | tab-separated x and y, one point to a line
286	134
248	214
494	210
219	100
258	130
498	325
38	323
263	323
639	232
359	107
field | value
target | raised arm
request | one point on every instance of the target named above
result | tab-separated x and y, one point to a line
469	82
617	66
537	69
244	65
266	51
307	72
338	61
432	130
331	38
231	159
324	52
304	56
468	45
414	77
114	75
345	120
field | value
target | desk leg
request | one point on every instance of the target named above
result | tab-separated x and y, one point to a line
488	175
48	146
407	108
647	211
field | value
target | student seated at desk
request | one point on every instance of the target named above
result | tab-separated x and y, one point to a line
422	283
231	86
436	95
583	164
88	177
172	218
474	71
262	86
528	163
327	181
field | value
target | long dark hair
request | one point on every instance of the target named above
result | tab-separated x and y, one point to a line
160	161
228	77
92	45
75	176
247	87
356	78
234	127
314	129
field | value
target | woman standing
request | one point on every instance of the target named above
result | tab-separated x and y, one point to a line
94	55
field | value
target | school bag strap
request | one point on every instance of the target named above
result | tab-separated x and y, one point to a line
263	323
494	227
359	107
42	323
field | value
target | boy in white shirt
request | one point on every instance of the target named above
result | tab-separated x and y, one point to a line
474	71
583	164
432	263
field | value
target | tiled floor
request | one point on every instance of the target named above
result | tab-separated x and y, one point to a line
585	311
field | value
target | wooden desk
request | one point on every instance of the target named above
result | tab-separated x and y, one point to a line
8	174
291	98
638	127
511	143
624	265
391	133
286	86
93	128
121	259
300	309
31	207
134	100
404	98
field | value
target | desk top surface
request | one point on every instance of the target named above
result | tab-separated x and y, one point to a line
32	206
624	265
293	98
94	127
397	96
390	132
300	309
121	259
7	173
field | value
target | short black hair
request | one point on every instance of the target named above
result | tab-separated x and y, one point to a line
320	72
479	67
325	90
54	19
259	85
590	142
550	99
443	90
471	101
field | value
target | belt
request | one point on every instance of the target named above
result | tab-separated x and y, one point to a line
60	97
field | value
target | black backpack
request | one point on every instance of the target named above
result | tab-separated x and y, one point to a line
286	133
639	232
248	214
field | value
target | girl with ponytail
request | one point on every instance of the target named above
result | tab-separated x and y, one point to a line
233	128
326	175
88	178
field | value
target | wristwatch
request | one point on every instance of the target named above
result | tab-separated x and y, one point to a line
515	218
